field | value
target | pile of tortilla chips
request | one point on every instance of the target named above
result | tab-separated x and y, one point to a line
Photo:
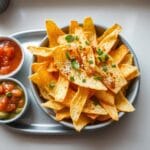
81	76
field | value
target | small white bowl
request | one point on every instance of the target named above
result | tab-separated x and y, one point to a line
21	62
6	121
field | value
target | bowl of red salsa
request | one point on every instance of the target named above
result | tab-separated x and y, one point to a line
13	100
11	57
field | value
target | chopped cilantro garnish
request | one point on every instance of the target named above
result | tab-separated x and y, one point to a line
105	68
90	61
87	43
97	78
72	78
76	38
106	57
113	65
75	64
83	80
103	57
69	38
99	52
80	47
67	55
9	94
51	85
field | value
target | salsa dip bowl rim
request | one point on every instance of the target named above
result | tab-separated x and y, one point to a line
15	71
131	93
20	114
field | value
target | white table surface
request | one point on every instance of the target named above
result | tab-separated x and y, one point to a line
132	132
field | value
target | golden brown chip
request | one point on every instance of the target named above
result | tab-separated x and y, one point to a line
93	108
43	79
61	88
102	118
52	105
88	25
53	32
69	97
111	77
123	104
62	114
78	102
73	26
119	54
109	38
81	122
129	72
128	59
37	66
92	116
106	97
111	110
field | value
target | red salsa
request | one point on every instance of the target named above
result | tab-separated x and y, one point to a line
11	99
10	56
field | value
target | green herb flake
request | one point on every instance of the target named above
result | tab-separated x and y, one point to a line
76	38
113	65
103	57
75	64
97	78
99	52
9	94
105	68
90	61
87	43
68	55
72	78
69	38
51	85
83	80
80	47
106	57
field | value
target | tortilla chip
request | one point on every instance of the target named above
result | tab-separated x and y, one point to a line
82	37
62	114
128	59
129	72
42	79
44	51
103	118
52	67
69	97
81	122
109	38
112	77
111	110
53	33
106	97
88	25
92	108
119	54
123	104
37	66
73	26
92	116
78	102
89	30
52	105
61	88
